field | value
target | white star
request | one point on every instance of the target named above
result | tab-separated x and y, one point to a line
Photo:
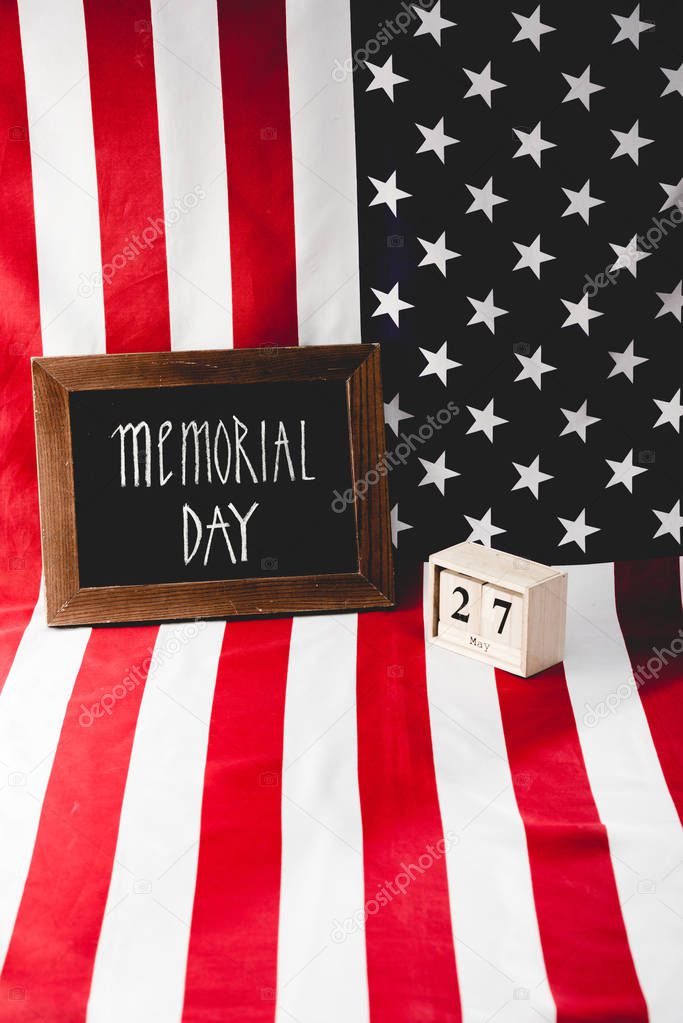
390	303
485	312
533	367
438	363
482	530
672	302
484	199
432	23
576	530
383	77
670	411
530	256
436	253
393	414
581	202
630	143
625	362
482	84
581	88
531	28
675	83
531	476
437	473
628	256
397	526
670	522
531	144
630	28
624	472
435	140
578	422
485	420
579	313
388	192
674	195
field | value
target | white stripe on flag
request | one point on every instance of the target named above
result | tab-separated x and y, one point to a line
497	942
324	164
645	837
321	964
40	682
32	707
141	957
192	145
64	177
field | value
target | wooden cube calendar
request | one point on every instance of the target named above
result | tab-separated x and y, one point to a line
497	608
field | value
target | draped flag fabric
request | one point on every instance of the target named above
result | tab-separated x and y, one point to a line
325	819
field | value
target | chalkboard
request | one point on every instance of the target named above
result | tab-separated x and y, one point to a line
212	484
231	482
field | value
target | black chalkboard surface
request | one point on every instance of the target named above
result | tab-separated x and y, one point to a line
209	484
233	481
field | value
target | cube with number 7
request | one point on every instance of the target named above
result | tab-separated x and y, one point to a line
497	608
501	613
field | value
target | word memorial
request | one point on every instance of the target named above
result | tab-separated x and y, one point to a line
497	608
202	484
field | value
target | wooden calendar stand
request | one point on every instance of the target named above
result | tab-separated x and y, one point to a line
497	608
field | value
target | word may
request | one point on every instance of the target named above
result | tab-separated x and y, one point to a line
216	454
479	644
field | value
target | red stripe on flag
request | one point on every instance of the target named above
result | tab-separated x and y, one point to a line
132	227
19	340
408	932
648	598
52	950
253	52
232	960
49	964
587	955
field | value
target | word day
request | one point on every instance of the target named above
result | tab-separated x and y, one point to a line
208	455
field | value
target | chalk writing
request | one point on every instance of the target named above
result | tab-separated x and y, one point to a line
201	452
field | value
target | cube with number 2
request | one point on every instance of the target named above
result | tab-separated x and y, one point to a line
459	603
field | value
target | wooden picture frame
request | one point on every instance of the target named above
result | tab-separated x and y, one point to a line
68	603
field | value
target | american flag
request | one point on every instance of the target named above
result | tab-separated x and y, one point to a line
328	819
